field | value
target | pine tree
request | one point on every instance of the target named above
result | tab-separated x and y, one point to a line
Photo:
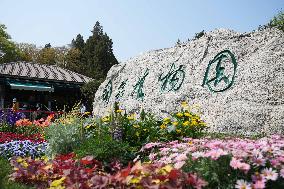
78	43
98	53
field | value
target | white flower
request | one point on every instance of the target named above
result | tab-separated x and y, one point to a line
269	174
241	184
196	155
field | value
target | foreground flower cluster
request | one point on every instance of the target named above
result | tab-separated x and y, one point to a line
259	162
24	148
9	136
67	172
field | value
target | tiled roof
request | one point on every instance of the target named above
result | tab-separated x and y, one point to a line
41	71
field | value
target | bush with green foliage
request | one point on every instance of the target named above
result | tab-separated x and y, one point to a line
278	21
106	150
64	134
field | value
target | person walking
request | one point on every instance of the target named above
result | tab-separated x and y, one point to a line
15	106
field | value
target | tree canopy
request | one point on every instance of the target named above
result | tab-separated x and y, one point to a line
8	50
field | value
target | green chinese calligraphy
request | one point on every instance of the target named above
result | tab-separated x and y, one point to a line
107	91
138	87
223	79
173	80
121	90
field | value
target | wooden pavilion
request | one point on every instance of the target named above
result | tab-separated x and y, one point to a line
48	87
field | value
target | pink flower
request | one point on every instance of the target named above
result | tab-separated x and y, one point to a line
259	161
151	145
181	157
152	156
179	164
282	173
269	174
196	182
215	154
260	184
234	163
241	184
237	164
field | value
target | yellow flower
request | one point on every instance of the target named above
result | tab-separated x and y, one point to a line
106	119
194	122
163	126
164	170
175	123
167	120
57	183
136	126
187	114
178	130
145	130
131	117
19	160
87	113
184	104
118	111
179	114
135	180
156	181
186	123
44	158
88	126
25	164
202	124
168	168
190	143
137	134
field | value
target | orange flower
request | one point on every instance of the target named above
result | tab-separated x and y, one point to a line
23	122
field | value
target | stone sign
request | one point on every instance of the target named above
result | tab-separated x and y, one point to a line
236	79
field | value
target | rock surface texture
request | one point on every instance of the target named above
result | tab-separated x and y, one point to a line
236	79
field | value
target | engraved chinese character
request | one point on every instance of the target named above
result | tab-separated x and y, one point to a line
222	77
138	88
107	91
121	90
173	80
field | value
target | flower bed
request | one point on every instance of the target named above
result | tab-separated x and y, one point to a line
9	136
251	163
67	172
23	148
167	159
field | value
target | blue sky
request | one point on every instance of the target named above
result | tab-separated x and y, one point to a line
135	26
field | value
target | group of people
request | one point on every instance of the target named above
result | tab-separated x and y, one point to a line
15	106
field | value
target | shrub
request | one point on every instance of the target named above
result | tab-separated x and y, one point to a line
106	150
64	134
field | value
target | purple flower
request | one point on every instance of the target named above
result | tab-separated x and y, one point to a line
22	148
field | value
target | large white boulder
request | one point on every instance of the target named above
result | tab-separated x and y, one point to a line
236	79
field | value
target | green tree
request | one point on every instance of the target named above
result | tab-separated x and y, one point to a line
278	21
8	50
78	43
47	55
88	90
75	58
98	53
29	51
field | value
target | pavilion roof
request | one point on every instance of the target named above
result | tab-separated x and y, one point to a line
29	70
